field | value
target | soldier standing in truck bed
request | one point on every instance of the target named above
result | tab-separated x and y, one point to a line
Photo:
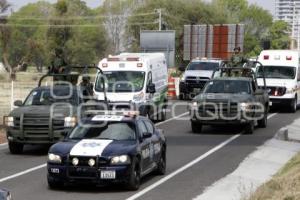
237	59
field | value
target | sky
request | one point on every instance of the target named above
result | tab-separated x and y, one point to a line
267	4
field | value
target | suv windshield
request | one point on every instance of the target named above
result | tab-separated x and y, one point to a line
48	97
122	81
280	72
228	86
211	66
111	131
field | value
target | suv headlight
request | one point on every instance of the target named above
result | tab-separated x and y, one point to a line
53	158
138	97
246	106
70	121
120	160
9	121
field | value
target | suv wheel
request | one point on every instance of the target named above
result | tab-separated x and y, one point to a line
135	177
196	127
264	121
15	148
249	128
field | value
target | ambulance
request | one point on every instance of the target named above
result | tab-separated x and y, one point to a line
139	79
281	69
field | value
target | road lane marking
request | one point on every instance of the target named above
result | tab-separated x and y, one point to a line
190	164
22	173
171	119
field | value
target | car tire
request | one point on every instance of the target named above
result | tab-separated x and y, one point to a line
249	128
15	148
196	127
134	177
293	105
161	165
263	122
54	185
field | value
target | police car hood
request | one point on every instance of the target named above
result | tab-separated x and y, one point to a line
93	147
198	73
41	110
289	83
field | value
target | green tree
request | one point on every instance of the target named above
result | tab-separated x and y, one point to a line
279	35
5	34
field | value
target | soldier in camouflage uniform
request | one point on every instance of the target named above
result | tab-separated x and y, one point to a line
237	59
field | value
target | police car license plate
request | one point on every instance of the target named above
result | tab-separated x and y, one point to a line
108	174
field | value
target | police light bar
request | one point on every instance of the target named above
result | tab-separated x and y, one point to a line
112	59
289	57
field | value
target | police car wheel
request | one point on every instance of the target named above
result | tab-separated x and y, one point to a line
135	177
161	165
15	148
196	127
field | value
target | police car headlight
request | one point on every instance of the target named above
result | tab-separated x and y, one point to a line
120	160
70	121
138	97
9	121
182	78
91	162
290	91
245	106
54	158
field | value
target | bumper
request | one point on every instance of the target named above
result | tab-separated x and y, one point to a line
19	136
186	88
87	175
281	101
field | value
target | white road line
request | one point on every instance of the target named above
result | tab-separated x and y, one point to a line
171	119
190	164
22	173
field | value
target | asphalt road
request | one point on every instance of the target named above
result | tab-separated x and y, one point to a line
194	161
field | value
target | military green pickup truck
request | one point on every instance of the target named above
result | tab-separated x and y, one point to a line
231	97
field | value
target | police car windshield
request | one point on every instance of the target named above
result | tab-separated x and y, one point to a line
110	131
49	96
210	66
122	81
228	86
278	72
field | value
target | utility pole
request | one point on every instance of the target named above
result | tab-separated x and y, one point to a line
159	11
293	26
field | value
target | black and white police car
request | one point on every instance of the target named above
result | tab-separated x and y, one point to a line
5	195
106	149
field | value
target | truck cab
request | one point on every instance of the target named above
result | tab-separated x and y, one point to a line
196	75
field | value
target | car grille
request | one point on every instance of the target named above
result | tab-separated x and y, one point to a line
276	91
83	170
227	109
36	124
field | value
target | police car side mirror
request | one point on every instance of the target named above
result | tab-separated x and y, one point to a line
147	135
151	88
18	103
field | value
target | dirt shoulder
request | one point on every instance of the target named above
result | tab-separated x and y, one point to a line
2	136
284	185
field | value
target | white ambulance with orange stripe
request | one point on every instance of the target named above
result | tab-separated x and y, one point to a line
135	78
281	69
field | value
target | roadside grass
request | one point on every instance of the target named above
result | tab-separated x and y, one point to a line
285	185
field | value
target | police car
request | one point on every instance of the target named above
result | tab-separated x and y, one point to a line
108	148
5	195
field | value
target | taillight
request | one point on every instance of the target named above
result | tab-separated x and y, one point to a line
289	58
266	57
104	65
140	65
